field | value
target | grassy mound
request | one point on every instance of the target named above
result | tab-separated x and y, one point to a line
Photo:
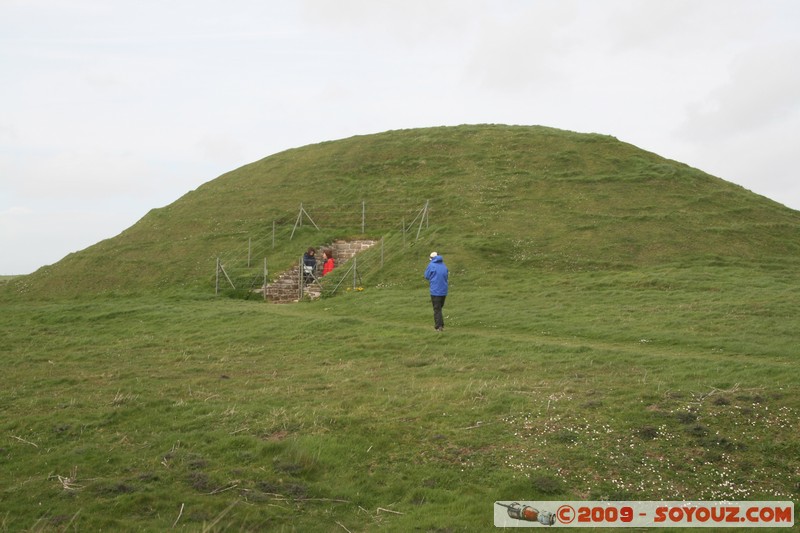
500	197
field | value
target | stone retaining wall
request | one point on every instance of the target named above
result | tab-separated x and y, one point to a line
344	250
286	288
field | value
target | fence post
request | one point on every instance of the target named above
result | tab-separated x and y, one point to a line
298	222
301	280
423	219
265	279
427	215
216	287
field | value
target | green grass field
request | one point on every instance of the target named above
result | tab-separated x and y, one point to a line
223	414
619	327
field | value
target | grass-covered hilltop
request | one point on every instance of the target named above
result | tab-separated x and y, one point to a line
501	198
619	326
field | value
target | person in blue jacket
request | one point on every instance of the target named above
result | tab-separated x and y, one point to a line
437	274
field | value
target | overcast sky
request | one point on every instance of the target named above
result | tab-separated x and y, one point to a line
109	109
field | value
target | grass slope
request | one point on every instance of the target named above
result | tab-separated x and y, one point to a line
619	327
228	415
534	196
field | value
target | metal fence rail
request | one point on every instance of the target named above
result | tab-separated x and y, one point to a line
247	269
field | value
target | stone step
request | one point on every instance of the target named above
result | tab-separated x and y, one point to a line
286	288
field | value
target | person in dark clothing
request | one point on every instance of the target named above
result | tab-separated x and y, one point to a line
437	275
309	265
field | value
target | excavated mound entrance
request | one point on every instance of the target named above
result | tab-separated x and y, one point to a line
286	288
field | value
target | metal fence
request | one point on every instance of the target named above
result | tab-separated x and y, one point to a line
246	270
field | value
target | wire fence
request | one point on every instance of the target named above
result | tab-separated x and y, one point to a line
247	270
365	216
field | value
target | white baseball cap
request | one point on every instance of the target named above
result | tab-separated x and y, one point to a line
433	254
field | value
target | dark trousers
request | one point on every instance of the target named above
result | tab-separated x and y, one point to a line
438	303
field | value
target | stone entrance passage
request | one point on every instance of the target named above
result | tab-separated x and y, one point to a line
286	288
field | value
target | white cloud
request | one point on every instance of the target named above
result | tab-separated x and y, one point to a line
87	175
16	211
760	90
32	238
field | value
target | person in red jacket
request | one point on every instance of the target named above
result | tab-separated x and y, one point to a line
327	257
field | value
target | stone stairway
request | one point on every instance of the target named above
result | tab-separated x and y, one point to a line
286	288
